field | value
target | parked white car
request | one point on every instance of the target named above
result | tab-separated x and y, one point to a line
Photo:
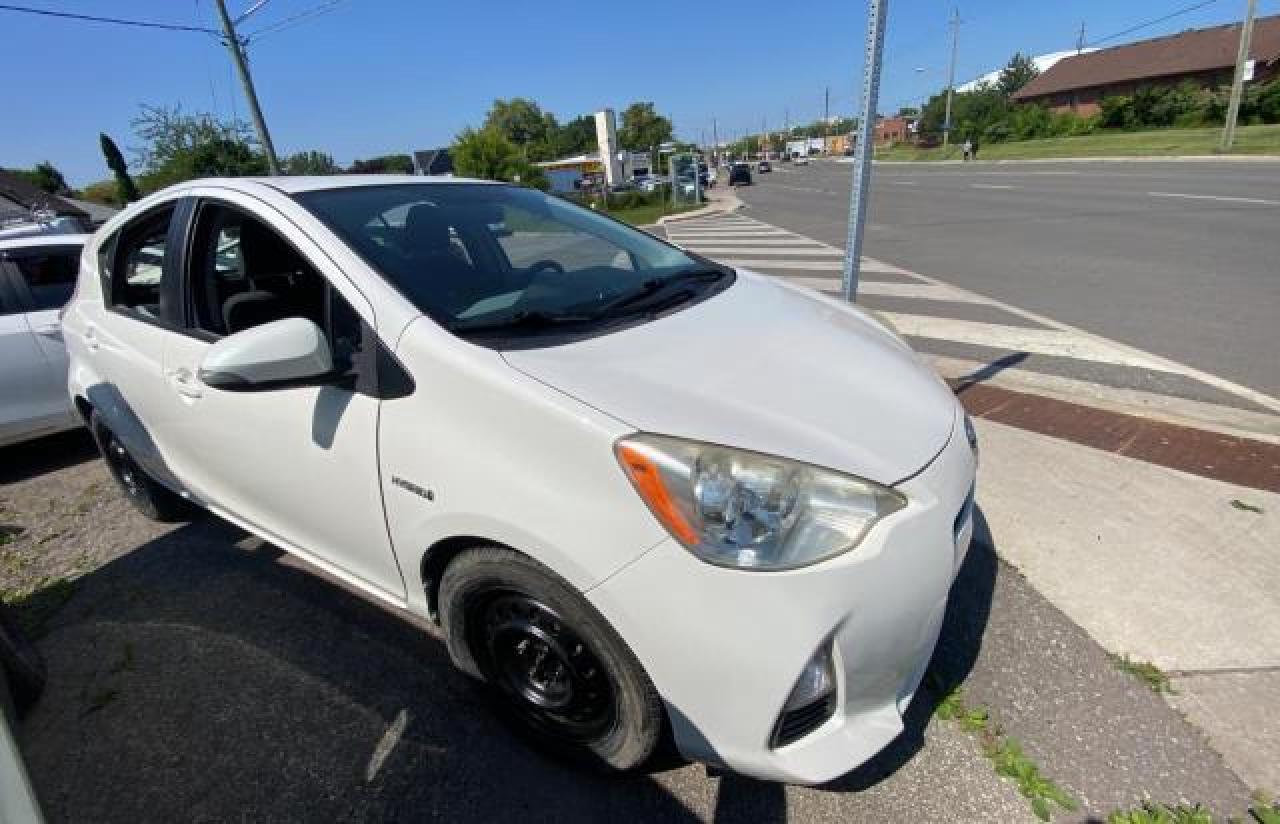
800	160
637	489
37	275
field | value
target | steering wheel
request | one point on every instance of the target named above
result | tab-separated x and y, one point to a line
552	265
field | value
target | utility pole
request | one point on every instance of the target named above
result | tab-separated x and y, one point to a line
1237	81
951	77
826	121
236	47
877	12
1080	39
715	138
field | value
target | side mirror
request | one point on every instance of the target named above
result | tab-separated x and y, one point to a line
283	353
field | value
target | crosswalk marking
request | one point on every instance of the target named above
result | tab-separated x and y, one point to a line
940	324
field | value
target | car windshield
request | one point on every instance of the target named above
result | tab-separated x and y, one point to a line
488	260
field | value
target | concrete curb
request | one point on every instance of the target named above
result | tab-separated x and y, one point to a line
721	204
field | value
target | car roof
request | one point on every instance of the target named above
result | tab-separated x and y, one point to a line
292	184
49	239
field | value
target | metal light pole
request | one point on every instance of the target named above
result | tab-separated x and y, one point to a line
1237	81
236	47
951	77
877	12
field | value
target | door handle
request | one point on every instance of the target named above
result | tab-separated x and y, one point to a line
91	338
184	383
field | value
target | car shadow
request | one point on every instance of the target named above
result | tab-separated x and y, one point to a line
208	675
28	459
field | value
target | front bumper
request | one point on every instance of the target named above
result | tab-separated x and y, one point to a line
724	647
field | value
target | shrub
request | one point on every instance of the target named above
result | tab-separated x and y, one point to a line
104	191
1116	113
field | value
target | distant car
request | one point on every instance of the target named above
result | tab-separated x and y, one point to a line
651	184
801	160
763	166
740	175
37	277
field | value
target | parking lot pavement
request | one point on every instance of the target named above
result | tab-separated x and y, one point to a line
197	673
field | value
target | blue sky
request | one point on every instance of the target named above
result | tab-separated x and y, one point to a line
377	76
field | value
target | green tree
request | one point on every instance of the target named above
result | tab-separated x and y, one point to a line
577	136
182	146
392	164
310	163
524	123
126	189
45	177
488	154
643	128
1018	72
106	192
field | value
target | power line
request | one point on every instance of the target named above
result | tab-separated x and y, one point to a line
146	24
293	20
1149	23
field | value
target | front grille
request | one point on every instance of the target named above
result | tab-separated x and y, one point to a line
797	723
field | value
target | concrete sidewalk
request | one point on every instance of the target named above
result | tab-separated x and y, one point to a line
1157	564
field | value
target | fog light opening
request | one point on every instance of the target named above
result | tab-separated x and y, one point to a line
812	700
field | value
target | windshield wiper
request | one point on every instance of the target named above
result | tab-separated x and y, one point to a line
627	303
524	319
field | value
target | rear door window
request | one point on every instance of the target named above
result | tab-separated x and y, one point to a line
49	273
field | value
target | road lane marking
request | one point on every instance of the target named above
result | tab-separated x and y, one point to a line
991	186
924	291
765	265
763	241
903	182
1254	200
1022	339
751	249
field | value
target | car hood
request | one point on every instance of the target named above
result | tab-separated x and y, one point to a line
768	367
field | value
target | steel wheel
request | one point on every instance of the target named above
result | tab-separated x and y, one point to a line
553	679
123	467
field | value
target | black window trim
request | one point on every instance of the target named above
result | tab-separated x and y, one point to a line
374	370
174	240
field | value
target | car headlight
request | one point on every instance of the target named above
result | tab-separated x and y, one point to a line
746	510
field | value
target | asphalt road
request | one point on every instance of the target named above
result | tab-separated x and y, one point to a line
199	674
1178	259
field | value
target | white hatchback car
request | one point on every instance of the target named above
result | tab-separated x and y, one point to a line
639	490
37	275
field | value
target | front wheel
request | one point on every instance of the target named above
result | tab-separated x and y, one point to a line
560	673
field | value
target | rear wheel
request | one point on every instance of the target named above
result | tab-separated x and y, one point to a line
559	671
148	496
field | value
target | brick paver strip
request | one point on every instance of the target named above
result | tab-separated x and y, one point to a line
1210	454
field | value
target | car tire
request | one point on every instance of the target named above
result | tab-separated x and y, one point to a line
148	496
559	673
21	664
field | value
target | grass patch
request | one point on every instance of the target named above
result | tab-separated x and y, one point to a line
1250	140
1265	814
1006	755
1145	671
649	213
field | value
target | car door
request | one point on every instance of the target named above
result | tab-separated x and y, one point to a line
299	464
22	366
45	277
124	340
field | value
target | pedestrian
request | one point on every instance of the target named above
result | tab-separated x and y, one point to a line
973	151
967	148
